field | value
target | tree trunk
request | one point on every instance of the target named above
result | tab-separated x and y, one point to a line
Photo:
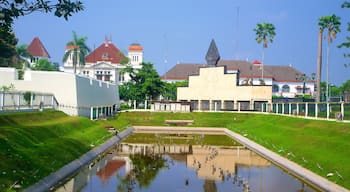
319	65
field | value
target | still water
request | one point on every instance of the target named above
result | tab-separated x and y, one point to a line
182	166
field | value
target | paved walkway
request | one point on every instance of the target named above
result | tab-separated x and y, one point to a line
291	167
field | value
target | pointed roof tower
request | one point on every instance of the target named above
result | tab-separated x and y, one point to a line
213	55
37	49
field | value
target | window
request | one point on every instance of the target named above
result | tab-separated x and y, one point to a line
275	88
121	76
285	89
105	55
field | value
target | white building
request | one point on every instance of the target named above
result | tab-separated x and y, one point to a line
76	95
105	62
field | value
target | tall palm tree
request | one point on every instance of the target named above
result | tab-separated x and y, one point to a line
265	32
78	51
330	23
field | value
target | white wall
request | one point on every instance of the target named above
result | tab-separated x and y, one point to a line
75	94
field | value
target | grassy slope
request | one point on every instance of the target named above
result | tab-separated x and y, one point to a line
34	144
320	143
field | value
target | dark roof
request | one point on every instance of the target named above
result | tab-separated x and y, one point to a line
105	52
212	57
246	70
37	49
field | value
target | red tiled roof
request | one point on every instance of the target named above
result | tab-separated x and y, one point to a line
105	52
135	47
37	49
111	167
256	62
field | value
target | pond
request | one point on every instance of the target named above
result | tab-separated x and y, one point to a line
179	162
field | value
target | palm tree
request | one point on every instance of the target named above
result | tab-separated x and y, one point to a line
265	32
330	23
78	51
22	55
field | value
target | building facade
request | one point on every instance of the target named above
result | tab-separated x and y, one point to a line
106	62
37	51
76	95
215	90
283	79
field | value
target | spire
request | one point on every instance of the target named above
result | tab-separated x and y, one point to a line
213	55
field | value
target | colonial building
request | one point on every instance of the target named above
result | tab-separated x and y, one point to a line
37	51
217	88
286	81
106	61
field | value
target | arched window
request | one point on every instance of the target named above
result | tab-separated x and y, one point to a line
285	89
275	88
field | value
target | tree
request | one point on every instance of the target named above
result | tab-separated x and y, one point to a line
346	44
145	84
8	43
265	33
43	65
330	23
170	89
78	51
22	55
10	10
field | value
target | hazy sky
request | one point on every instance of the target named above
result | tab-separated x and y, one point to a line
180	31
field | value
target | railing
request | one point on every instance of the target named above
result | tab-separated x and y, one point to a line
26	101
331	110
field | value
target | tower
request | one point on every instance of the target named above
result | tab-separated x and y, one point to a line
135	54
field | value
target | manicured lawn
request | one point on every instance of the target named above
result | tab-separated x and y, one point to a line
320	146
32	145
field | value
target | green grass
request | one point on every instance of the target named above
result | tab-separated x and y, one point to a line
323	143
192	139
32	145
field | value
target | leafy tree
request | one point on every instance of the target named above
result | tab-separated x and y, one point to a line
145	84
43	65
10	10
265	33
22	54
8	43
78	51
170	89
347	43
13	9
330	23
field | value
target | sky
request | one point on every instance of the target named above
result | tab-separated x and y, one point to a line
172	32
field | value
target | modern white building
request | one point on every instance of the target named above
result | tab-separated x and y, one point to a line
76	95
107	61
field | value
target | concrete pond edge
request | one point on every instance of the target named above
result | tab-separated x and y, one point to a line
59	177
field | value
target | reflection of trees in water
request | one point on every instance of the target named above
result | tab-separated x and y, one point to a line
209	186
145	169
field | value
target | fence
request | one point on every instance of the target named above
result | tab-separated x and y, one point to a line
26	101
337	111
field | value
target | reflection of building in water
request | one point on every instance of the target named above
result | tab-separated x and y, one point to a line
212	162
209	161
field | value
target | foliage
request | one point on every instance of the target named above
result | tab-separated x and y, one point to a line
44	65
27	97
347	43
10	10
8	43
145	84
22	54
78	51
34	144
170	89
332	24
7	88
265	33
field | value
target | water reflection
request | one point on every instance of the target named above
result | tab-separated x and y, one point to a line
182	167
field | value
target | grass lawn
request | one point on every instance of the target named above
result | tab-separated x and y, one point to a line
321	146
32	145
